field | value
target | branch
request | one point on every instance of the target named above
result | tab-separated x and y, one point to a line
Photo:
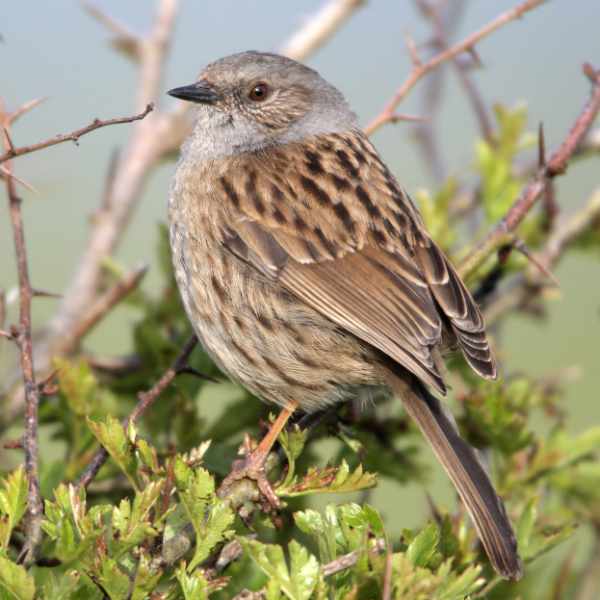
319	28
74	136
420	70
503	231
145	400
102	306
530	283
22	336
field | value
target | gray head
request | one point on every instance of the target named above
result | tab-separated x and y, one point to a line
251	100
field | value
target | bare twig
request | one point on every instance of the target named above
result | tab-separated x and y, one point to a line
22	335
145	400
444	17
527	285
319	28
503	231
74	136
421	70
102	306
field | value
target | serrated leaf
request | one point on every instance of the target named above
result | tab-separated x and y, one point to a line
15	580
329	480
424	546
109	432
193	585
292	441
13	503
114	581
210	516
297	582
77	384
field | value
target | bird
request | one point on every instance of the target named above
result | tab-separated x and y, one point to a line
308	274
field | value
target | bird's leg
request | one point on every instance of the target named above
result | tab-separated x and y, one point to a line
252	466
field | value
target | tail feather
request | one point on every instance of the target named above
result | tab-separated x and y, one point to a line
466	472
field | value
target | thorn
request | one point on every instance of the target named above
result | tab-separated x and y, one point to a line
398	117
541	147
412	51
521	247
592	74
435	512
187	370
9	142
477	62
25	108
6	334
44	294
4	172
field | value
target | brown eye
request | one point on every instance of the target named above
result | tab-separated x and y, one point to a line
259	92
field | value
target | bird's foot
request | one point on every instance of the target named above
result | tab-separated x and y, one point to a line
251	467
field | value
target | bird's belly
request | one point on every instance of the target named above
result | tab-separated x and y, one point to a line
261	336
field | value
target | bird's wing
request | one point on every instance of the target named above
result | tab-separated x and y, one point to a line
328	220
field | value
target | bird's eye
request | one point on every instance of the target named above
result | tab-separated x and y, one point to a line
259	92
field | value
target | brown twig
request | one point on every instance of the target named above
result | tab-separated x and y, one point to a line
22	336
529	284
444	17
145	400
73	136
419	71
102	306
503	231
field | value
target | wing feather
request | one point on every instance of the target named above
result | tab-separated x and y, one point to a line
329	221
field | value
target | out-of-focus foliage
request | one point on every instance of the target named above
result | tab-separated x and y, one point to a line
151	524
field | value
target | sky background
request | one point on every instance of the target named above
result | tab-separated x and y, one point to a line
54	49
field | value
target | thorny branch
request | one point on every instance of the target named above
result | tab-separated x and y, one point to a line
502	233
145	400
74	136
419	69
21	334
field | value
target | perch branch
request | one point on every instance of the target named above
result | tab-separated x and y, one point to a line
420	70
145	400
503	231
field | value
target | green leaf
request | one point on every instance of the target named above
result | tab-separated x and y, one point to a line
292	442
115	582
78	385
328	480
109	432
210	516
15	580
13	503
193	585
299	580
424	546
133	524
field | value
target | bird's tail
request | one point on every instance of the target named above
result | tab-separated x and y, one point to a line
466	472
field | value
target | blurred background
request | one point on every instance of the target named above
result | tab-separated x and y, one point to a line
55	50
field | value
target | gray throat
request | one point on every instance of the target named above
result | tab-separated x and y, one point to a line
217	134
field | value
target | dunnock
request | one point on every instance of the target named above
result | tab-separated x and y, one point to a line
306	269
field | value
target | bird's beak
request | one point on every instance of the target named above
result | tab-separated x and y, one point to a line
201	91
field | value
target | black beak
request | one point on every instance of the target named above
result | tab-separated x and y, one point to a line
201	92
